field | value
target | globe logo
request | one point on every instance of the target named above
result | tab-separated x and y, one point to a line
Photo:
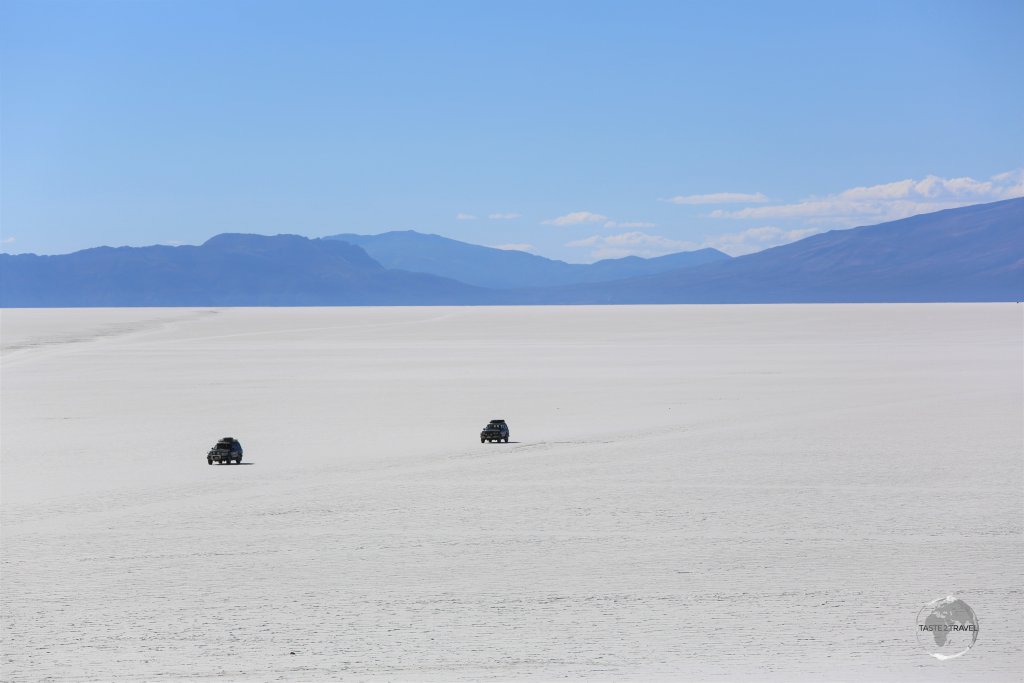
947	627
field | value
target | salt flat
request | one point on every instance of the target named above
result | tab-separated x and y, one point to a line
692	492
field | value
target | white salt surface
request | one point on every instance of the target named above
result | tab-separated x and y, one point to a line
692	493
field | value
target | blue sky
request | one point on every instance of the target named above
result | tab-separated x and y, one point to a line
577	130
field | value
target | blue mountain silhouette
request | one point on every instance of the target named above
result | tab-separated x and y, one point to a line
973	253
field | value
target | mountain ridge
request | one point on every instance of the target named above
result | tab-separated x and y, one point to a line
973	253
496	268
926	257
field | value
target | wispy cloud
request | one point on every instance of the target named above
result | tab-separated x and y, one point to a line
8	240
631	244
757	239
629	225
504	216
516	247
576	218
465	217
585	242
889	201
584	217
719	198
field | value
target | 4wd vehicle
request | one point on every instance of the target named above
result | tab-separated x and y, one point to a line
226	451
496	430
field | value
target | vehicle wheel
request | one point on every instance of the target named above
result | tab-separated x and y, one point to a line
482	440
506	439
209	461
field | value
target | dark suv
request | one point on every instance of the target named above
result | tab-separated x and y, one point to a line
496	430
226	451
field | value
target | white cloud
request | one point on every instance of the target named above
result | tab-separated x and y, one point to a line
633	225
8	240
631	244
516	247
756	239
504	216
582	217
465	217
1015	179
719	198
576	218
585	242
889	201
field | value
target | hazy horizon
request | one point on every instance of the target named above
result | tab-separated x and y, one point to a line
506	247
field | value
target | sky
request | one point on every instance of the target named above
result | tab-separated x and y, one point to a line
574	130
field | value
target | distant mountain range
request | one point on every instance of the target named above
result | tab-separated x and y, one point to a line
227	270
973	253
508	269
